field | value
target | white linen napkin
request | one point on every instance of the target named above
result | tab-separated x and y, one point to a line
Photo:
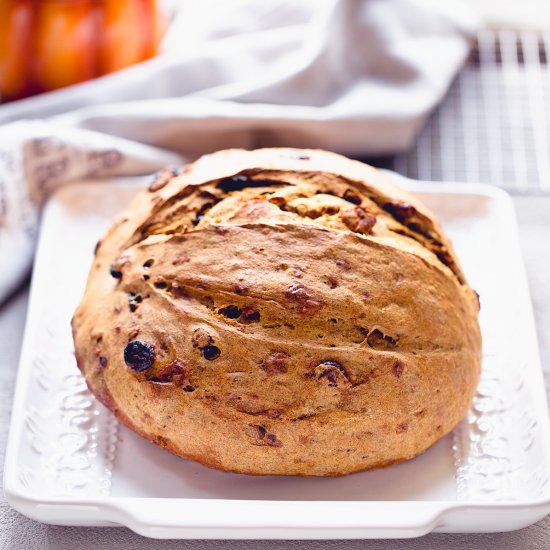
353	76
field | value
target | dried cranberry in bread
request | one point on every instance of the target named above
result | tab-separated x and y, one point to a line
280	311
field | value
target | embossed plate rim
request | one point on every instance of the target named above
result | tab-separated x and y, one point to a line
218	518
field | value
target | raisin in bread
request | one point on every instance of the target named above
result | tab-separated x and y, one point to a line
280	311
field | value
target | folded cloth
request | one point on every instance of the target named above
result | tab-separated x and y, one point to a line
353	76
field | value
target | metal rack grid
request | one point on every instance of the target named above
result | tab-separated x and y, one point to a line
494	124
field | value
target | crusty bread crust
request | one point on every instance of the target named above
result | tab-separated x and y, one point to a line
280	311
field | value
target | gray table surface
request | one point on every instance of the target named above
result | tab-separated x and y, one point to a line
19	533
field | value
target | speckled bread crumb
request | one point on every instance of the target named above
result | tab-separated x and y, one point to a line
280	311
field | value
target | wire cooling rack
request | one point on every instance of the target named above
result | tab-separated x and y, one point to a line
494	124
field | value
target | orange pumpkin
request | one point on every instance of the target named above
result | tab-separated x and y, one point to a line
49	44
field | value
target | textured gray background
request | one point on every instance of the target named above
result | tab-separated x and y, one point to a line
20	533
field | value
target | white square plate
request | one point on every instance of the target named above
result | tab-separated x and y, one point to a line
69	462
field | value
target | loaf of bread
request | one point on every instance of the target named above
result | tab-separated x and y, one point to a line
280	311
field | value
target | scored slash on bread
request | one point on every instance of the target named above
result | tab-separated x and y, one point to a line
280	311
